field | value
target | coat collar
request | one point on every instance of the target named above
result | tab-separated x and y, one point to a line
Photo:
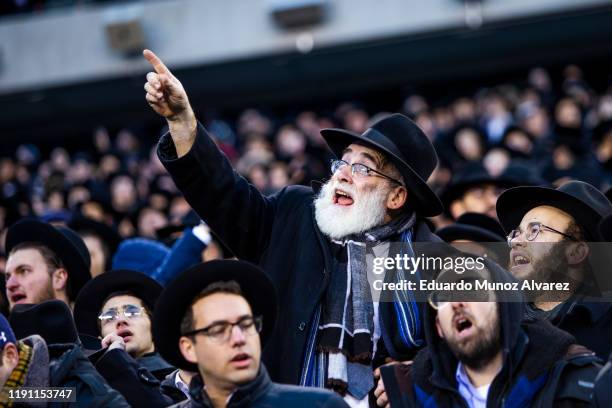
244	396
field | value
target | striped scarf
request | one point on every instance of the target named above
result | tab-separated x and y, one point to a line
18	375
340	345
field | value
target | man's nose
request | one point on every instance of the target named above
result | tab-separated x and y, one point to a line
12	282
237	336
344	174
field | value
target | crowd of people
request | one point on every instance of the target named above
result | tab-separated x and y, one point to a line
225	264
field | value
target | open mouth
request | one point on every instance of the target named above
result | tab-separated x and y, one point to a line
519	260
463	326
241	360
126	334
18	298
342	198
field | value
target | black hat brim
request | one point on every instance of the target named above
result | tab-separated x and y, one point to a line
470	232
37	231
514	203
109	235
605	228
256	288
425	201
89	303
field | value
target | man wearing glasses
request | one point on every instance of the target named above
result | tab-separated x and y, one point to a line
117	307
312	242
549	231
213	319
480	354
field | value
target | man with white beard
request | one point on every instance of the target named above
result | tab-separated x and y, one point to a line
312	243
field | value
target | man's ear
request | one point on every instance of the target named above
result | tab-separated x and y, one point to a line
576	252
59	279
188	349
10	356
439	328
397	198
456	208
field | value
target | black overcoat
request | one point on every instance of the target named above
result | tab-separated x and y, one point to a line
277	232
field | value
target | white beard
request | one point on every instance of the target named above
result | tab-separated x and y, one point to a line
367	211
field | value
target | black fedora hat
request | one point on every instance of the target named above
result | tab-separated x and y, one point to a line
405	144
64	242
581	200
256	288
605	228
109	235
89	302
51	320
474	227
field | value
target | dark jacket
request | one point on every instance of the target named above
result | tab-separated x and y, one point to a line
169	388
156	365
590	323
543	367
135	382
602	395
66	366
263	393
278	232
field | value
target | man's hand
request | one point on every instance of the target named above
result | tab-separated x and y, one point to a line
113	341
167	97
381	395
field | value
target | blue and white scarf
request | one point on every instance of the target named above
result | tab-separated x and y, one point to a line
340	345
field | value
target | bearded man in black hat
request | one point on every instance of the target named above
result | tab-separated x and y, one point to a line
213	319
311	243
117	307
549	231
44	263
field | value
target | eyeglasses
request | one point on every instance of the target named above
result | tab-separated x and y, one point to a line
533	229
128	311
358	169
440	299
221	332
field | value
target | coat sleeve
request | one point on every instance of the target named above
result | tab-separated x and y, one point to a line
139	387
186	252
233	208
92	390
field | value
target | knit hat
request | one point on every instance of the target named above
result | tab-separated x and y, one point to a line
6	333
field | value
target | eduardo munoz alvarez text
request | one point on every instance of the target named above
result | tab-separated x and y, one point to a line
431	285
457	264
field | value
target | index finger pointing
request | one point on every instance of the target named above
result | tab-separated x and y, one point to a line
154	60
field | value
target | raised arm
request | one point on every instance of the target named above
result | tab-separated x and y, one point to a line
167	97
233	208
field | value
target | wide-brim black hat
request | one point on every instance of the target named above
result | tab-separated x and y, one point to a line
473	227
64	242
256	288
88	304
404	144
605	228
109	235
470	175
51	320
585	203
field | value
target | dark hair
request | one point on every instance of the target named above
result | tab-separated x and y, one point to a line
52	261
231	287
575	231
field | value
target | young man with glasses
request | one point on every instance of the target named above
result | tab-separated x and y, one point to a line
480	354
213	319
549	231
117	307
